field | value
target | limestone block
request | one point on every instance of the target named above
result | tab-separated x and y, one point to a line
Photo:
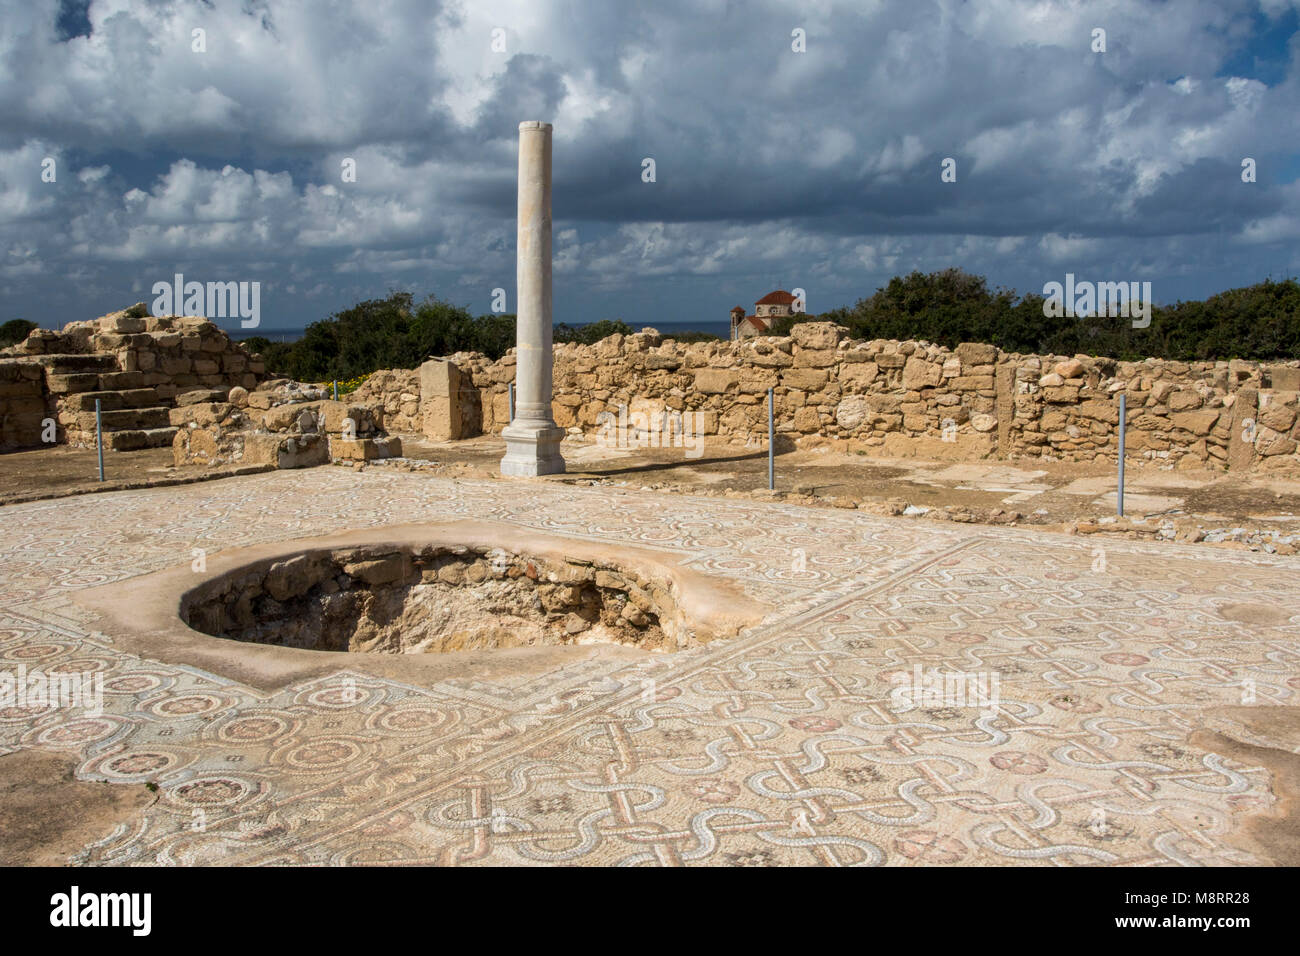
366	418
712	381
817	335
365	449
440	400
1277	415
976	353
383	570
852	412
202	414
296	576
660	360
261	449
859	374
972	382
198	395
1098	411
121	323
1061	395
773	358
1269	443
1184	399
1198	422
815	358
302	451
805	379
807	420
1284	378
918	373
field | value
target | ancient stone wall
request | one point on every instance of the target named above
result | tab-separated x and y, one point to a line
132	363
398	391
282	423
894	398
24	404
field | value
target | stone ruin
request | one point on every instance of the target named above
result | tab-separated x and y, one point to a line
436	599
133	363
281	423
178	381
881	397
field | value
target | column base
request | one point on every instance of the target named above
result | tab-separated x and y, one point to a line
532	449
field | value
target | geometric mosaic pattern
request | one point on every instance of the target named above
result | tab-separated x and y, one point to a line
779	747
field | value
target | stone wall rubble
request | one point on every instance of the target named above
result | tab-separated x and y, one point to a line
281	423
901	399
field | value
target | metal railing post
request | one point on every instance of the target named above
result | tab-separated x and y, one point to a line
99	438
1123	421
771	451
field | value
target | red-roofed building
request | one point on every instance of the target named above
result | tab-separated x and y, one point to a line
771	306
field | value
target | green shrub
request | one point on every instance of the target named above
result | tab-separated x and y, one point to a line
949	307
15	331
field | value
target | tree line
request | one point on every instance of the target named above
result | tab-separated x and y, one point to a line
946	307
951	306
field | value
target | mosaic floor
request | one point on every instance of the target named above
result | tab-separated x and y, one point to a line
785	746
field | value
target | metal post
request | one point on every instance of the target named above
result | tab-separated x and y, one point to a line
512	401
336	390
771	454
99	439
1123	421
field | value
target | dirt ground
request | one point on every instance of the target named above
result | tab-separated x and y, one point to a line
1256	511
1020	492
37	473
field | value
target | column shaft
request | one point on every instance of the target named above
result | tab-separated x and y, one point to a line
533	439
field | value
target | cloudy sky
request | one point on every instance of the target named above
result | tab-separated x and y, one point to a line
774	168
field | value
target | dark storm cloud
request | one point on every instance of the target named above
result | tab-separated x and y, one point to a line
818	169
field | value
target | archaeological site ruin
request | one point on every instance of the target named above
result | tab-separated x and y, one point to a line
553	609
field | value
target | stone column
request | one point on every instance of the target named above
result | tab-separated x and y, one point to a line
533	438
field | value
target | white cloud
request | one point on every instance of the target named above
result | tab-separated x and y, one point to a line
770	161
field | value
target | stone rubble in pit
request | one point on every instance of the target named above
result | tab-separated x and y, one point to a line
436	600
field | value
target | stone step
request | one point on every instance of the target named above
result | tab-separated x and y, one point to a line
121	381
133	439
112	401
126	419
65	364
72	383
